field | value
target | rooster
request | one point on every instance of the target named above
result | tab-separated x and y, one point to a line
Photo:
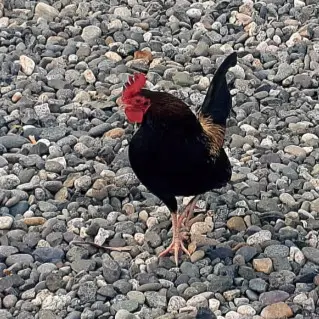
175	152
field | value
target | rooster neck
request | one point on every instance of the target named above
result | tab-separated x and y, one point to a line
163	103
168	111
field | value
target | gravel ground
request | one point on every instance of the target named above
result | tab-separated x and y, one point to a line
62	65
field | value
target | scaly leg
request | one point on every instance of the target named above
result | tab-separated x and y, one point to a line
177	241
188	212
178	235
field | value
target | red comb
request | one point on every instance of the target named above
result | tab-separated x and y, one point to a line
133	86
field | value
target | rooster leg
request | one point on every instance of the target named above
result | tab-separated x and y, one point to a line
177	241
187	214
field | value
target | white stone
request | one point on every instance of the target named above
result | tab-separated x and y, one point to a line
73	58
122	12
175	303
197	301
46	11
299	3
247	128
60	160
89	76
27	64
295	38
115	25
277	39
5	222
267	142
55	303
259	237
232	315
213	304
300	298
102	236
139	238
4	22
113	56
238	71
194	13
309	137
246	310
295	150
90	33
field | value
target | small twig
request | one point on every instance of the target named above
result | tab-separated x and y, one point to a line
79	243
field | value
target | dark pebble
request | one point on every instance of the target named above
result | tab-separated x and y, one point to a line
49	254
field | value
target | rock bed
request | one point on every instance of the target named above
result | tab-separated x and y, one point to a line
65	176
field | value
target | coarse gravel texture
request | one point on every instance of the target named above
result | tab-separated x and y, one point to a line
62	66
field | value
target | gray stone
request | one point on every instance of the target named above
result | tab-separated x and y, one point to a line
90	33
219	283
284	71
5	314
47	314
128	305
137	296
183	79
276	251
122	286
48	254
9	301
6	251
23	259
13	141
274	296
155	299
258	284
107	291
124	314
79	265
54	281
247	252
311	254
111	270
189	269
153	239
87	291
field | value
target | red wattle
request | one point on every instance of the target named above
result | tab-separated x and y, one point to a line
134	116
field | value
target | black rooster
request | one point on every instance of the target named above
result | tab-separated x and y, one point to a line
174	152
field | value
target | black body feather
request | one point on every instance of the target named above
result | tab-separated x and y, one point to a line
171	153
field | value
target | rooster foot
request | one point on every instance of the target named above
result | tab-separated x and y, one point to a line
178	238
180	226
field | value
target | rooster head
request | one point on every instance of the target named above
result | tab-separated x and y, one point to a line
134	103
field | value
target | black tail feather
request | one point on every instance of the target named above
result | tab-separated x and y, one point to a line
217	103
